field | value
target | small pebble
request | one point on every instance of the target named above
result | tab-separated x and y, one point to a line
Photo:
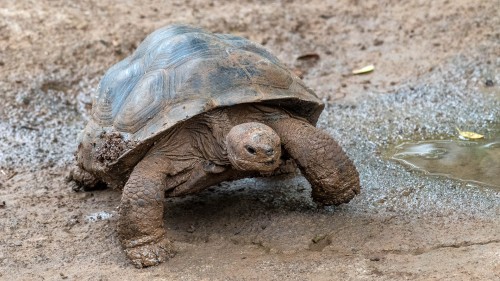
191	229
489	83
318	238
378	42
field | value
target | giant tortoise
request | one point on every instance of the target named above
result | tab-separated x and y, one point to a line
190	109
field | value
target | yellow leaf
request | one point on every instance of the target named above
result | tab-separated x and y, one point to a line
363	70
469	135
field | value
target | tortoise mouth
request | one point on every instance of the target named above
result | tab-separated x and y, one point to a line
269	162
267	165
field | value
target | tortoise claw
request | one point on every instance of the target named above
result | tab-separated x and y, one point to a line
150	254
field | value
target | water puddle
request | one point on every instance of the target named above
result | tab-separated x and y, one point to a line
477	161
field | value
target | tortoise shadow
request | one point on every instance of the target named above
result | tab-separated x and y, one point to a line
231	208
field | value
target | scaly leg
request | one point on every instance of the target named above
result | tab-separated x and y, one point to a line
332	175
140	227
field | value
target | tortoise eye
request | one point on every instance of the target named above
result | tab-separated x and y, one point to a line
251	150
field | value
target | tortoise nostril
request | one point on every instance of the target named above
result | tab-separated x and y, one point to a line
251	150
269	151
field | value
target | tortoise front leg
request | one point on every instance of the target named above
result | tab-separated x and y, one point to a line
332	175
140	226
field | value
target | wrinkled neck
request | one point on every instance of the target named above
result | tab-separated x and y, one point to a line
208	133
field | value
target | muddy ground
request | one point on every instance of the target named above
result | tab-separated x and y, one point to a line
436	67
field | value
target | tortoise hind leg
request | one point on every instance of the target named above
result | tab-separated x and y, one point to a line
332	175
140	226
83	180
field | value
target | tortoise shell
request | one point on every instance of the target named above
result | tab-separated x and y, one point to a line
178	72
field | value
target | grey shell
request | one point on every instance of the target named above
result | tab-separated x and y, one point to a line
180	71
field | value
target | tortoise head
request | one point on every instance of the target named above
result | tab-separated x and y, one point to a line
253	147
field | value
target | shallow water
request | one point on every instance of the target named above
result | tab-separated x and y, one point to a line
477	161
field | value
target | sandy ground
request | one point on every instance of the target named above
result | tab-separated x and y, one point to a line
437	67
